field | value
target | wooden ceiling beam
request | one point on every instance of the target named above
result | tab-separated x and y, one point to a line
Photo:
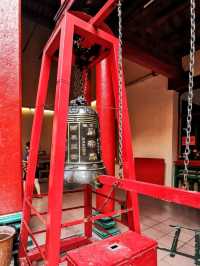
144	58
172	11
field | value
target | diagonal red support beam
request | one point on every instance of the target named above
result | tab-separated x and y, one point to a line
103	13
173	195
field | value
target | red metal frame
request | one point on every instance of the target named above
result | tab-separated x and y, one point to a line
62	39
173	195
106	112
65	30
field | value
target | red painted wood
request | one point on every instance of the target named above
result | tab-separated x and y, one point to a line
56	175
192	163
10	107
173	195
103	13
34	147
66	244
132	249
150	170
106	112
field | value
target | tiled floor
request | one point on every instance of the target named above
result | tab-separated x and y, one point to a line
155	217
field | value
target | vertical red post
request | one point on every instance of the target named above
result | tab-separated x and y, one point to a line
10	107
127	154
106	111
56	176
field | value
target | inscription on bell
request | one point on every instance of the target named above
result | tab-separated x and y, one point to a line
83	156
91	132
74	157
74	137
92	156
74	146
91	143
73	127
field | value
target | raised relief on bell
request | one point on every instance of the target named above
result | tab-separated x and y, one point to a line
74	157
83	152
74	146
92	156
73	127
91	144
74	137
91	132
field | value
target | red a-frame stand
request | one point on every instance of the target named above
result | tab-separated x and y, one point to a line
91	32
62	39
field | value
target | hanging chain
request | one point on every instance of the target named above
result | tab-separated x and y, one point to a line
120	93
78	81
190	93
85	81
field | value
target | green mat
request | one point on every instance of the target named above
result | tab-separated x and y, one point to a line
106	225
11	218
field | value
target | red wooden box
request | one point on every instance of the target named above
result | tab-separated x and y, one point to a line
126	249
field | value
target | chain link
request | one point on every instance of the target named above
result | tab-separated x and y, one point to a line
190	93
120	93
78	81
85	81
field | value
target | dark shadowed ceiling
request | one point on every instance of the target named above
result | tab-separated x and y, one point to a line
161	28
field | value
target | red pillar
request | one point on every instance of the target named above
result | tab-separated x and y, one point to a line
105	108
10	107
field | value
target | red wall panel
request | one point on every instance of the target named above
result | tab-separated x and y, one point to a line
10	107
150	170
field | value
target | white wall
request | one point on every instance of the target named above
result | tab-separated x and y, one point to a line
153	113
27	120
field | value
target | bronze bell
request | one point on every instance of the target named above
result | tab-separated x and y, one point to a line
83	153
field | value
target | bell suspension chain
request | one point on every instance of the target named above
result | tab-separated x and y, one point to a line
120	93
190	92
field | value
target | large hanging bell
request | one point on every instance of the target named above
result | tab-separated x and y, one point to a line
83	154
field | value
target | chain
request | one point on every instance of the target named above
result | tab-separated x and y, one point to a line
85	81
120	80
190	93
78	81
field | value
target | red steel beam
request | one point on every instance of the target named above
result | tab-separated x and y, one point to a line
173	195
103	13
95	218
106	112
58	143
66	245
69	3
